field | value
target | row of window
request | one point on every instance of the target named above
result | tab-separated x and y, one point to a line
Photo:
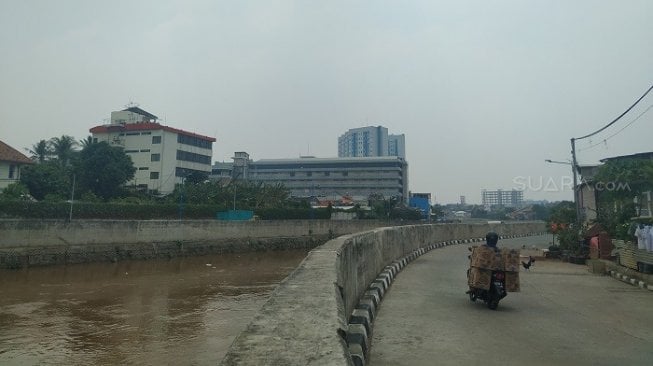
193	157
135	151
193	141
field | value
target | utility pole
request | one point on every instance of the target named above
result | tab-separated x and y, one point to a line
72	199
574	170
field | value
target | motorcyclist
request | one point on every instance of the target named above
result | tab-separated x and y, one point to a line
491	240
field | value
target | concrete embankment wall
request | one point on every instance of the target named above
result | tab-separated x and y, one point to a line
306	319
44	242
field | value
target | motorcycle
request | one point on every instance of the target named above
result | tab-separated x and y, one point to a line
496	292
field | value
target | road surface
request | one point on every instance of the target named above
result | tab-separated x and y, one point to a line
563	315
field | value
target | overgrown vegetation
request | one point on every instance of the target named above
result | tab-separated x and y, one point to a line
622	183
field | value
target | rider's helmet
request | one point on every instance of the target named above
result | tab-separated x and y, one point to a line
491	239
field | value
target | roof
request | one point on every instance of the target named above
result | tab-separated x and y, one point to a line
642	155
145	126
332	160
142	112
8	153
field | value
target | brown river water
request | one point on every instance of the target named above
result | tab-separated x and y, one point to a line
183	311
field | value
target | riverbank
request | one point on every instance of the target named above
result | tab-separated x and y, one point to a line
28	243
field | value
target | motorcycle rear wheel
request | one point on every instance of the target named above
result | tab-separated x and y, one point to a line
472	296
493	304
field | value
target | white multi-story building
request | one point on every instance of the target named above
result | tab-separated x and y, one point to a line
163	156
371	141
512	198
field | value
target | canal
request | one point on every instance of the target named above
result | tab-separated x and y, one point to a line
183	311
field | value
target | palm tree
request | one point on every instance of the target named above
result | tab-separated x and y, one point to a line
40	151
63	148
86	142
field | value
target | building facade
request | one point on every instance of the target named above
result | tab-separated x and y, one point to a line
163	156
397	145
421	201
363	142
327	178
12	162
512	198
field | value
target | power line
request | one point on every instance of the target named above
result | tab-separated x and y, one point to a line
618	118
618	132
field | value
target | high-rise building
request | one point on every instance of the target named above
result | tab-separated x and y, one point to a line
397	145
371	141
363	142
162	155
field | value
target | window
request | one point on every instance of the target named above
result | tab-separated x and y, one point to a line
12	171
145	150
143	168
146	133
156	157
154	175
130	151
156	139
193	157
194	141
133	133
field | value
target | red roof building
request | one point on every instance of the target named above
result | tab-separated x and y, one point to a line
162	155
11	162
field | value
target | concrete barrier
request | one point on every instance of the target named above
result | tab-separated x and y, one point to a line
25	243
305	321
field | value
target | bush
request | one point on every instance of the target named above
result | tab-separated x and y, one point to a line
293	213
114	211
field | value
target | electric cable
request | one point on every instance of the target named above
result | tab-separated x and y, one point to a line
618	132
618	118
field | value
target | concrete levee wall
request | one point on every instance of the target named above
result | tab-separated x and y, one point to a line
305	320
44	242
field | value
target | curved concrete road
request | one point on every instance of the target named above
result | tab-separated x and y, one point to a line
563	315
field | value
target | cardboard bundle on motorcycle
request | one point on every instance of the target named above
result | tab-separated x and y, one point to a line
510	258
512	282
479	278
486	258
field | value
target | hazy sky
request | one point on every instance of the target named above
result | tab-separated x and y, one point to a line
484	91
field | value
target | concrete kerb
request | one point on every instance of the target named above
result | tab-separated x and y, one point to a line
362	319
357	334
357	355
630	280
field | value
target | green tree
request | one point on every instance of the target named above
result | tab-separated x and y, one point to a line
620	181
86	142
541	212
14	192
47	178
63	148
196	177
438	211
40	151
562	222
103	170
